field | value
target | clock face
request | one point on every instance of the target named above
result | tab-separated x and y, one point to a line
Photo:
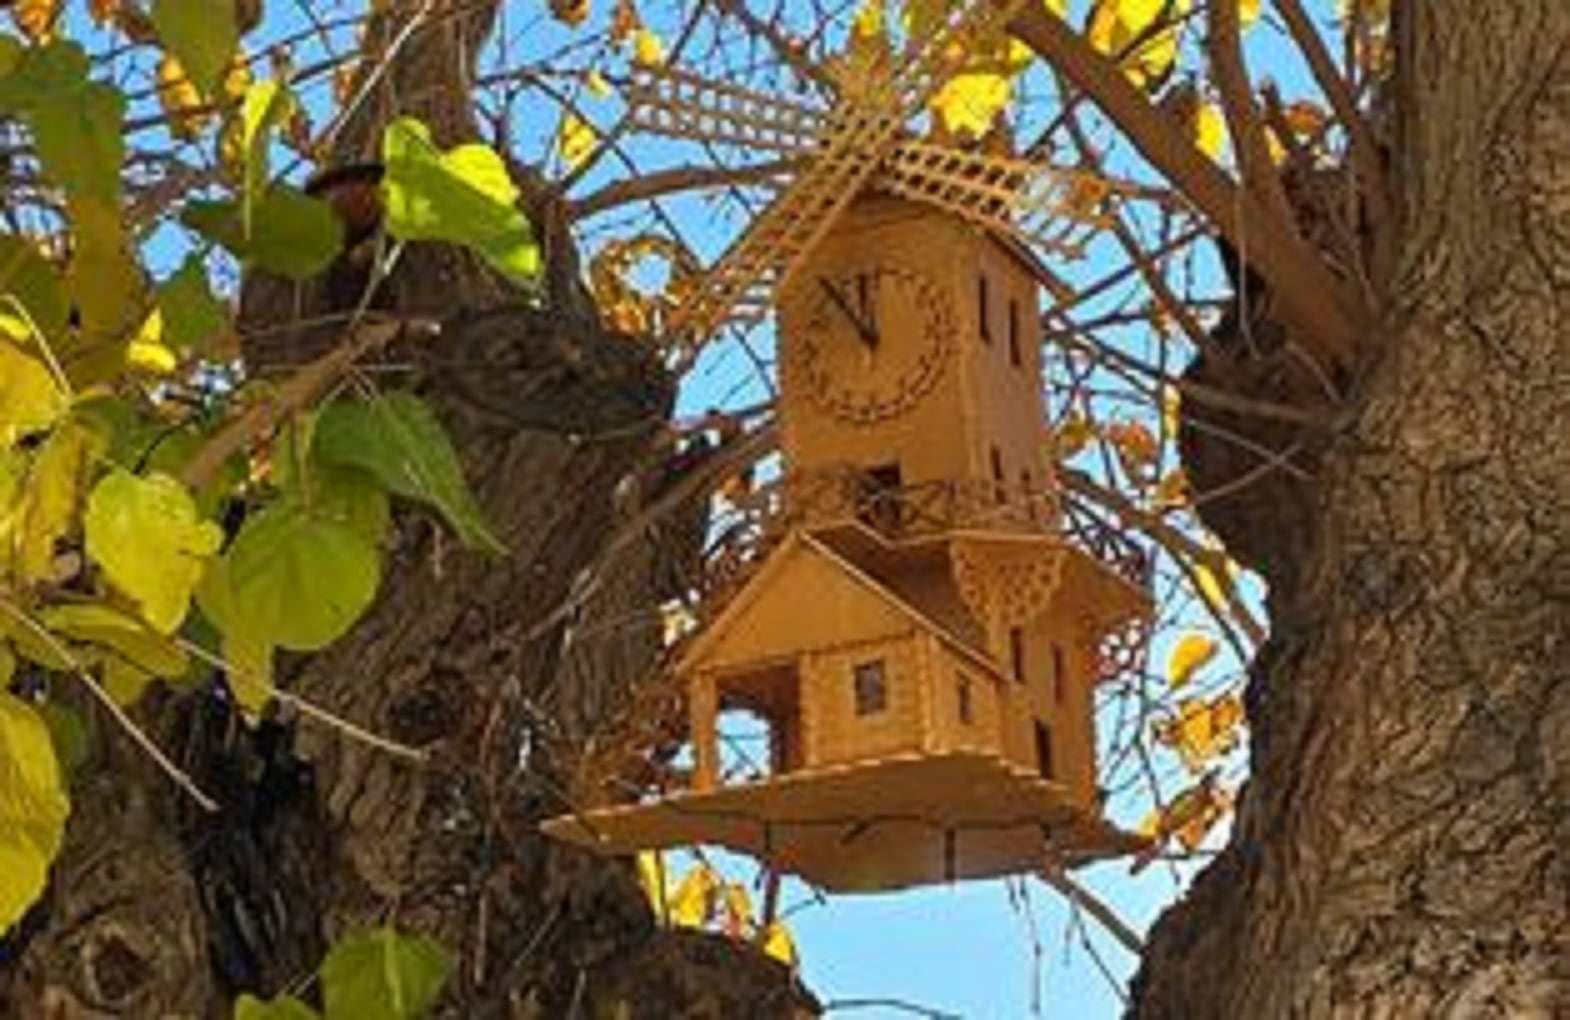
872	341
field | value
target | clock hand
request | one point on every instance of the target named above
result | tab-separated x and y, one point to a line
867	292
868	335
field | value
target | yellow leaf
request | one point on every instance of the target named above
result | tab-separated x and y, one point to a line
691	902
147	352
651	879
1210	130
738	910
1213	576
1142	35
777	942
970	104
50	496
647	48
37	19
1190	653
575	140
595	82
1248	12
33	807
181	100
153	547
1202	730
1172	492
30	399
1072	436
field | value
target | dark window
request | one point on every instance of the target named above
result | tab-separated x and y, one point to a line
1014	358
984	308
872	694
999	489
1044	749
1058	669
880	488
966	709
1017	653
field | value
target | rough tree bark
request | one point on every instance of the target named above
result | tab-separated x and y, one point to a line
162	911
1400	850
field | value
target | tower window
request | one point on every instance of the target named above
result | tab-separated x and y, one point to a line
872	693
879	503
962	693
1044	749
1017	653
984	307
1014	356
1059	669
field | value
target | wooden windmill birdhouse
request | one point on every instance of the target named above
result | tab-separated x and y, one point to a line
915	621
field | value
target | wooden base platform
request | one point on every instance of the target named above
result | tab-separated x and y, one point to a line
890	823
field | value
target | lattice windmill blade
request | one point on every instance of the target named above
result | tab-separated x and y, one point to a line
862	130
1013	196
669	101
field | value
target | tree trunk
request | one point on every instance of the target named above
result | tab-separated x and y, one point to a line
1400	849
499	668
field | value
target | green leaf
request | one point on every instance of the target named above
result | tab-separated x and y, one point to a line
291	234
383	974
201	34
266	105
397	438
353	498
76	122
73	735
285	1007
292	578
106	288
33	807
28	279
193	317
464	196
146	535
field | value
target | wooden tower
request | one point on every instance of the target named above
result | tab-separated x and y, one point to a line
917	627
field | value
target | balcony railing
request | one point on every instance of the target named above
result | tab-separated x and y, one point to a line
748	530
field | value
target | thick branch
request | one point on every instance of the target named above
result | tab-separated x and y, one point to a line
1319	307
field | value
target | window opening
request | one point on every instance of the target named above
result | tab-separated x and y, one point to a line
984	307
1014	353
872	695
1044	749
1017	653
966	707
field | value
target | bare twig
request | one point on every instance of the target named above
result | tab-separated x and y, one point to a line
142	740
1091	904
1365	151
1322	309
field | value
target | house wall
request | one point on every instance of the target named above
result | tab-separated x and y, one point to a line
1008	410
832	730
982	400
988	697
1066	707
809	600
930	444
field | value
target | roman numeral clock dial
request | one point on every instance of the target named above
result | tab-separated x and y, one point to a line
872	340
